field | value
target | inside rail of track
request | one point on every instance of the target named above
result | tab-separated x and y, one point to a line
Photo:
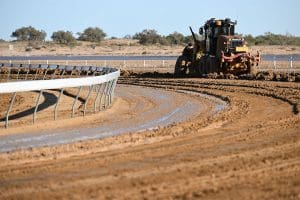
16	78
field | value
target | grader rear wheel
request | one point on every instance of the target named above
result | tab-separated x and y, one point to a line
180	66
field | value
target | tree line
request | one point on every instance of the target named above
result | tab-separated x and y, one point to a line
145	37
273	39
95	34
92	34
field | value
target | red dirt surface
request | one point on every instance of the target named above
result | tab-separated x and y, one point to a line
249	151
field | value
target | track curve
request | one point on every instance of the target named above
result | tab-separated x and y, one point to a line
147	109
249	151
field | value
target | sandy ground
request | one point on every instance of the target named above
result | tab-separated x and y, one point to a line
117	47
107	47
249	151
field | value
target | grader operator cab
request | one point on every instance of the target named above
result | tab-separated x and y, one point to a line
219	51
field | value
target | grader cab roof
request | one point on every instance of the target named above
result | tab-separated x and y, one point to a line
225	26
220	22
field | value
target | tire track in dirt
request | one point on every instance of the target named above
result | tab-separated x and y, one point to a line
166	108
249	151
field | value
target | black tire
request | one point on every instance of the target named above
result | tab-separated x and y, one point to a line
206	65
178	66
180	69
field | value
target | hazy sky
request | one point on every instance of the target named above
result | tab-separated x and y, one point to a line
118	18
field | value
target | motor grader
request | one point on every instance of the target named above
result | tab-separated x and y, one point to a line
220	50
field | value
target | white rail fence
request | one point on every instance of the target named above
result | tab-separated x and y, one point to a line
161	65
101	81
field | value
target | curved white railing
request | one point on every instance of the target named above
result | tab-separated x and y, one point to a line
25	78
24	86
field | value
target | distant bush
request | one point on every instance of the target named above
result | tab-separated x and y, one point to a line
163	41
273	39
175	38
150	36
29	34
1	40
92	35
64	37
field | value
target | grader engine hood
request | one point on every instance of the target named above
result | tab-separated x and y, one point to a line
231	44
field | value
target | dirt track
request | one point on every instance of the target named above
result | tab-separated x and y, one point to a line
135	109
249	151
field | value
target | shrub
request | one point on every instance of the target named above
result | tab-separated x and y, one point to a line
64	37
175	38
272	39
29	34
92	34
149	36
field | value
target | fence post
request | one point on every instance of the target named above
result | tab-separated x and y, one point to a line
87	99
8	74
109	92
36	72
95	102
76	98
19	68
9	109
37	105
27	74
46	70
56	105
106	97
103	95
112	90
63	72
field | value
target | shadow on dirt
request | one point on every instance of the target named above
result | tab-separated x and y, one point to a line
50	100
